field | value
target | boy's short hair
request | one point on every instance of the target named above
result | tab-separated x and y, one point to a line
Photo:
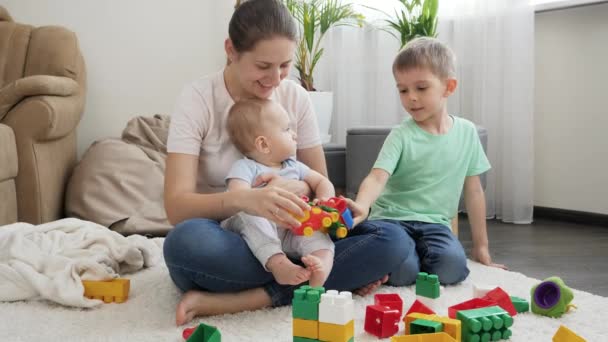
245	123
428	53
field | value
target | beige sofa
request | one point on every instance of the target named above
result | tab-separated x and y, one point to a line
42	95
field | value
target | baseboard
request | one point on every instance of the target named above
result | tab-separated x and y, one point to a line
573	216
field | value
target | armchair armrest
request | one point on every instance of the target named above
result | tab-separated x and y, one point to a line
46	117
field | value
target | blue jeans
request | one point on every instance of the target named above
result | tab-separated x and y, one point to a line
201	255
431	248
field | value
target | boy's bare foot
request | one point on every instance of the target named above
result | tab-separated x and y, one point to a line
369	288
318	267
286	272
200	303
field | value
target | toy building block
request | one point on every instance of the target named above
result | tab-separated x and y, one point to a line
115	290
481	290
305	328
451	327
336	332
304	339
305	302
470	304
202	333
381	321
336	307
520	304
424	326
418	306
563	334
485	324
551	297
427	285
392	300
436	337
502	299
434	304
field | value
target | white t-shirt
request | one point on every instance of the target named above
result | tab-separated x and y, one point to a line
198	126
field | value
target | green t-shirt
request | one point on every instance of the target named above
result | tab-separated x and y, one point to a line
427	171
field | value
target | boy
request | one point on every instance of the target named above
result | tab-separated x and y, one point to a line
418	177
260	130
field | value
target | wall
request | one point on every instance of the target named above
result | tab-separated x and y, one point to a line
571	119
139	53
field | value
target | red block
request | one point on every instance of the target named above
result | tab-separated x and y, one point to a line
419	307
392	300
501	298
187	332
470	304
381	321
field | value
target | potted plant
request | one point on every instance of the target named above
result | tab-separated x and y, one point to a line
417	18
316	17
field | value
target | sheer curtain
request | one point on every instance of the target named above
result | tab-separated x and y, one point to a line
494	42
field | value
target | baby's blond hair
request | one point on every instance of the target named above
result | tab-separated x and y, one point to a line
426	52
246	122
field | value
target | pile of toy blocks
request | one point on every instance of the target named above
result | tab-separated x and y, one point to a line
322	316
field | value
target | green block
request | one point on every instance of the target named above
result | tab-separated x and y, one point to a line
303	339
427	285
424	326
551	297
520	304
306	302
485	324
205	333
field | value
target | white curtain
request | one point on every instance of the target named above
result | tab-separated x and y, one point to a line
494	42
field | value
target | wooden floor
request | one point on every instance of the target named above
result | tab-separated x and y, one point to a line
576	253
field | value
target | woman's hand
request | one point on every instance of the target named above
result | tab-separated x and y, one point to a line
272	179
275	204
358	211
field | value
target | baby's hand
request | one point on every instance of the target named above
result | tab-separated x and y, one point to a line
358	211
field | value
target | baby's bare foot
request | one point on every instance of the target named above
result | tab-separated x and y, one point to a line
286	272
318	270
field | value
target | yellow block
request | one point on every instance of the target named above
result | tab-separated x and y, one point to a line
450	326
306	328
115	290
335	332
564	334
436	337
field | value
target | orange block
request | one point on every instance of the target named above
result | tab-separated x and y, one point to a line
115	290
563	334
450	326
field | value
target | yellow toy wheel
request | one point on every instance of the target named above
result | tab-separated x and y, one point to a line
308	231
326	222
316	210
304	217
341	232
335	216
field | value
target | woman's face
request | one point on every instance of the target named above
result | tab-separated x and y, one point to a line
261	69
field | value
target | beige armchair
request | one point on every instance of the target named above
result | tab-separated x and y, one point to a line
42	95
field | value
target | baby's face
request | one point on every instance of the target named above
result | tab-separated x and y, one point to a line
281	136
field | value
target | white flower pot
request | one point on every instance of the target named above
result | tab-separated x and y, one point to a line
323	102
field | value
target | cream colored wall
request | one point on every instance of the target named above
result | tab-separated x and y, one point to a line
571	122
139	53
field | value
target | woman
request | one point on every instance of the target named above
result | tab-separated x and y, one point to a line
214	267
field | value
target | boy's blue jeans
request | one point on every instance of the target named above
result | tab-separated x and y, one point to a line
431	248
202	255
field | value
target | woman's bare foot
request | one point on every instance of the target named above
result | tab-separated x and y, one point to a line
369	288
319	265
201	303
286	272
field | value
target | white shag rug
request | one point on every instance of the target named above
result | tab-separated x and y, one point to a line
149	314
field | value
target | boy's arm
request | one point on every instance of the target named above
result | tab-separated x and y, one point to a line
320	185
475	202
370	189
235	184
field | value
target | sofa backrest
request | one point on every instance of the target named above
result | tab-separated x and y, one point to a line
14	41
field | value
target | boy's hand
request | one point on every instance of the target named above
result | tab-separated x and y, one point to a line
482	255
358	211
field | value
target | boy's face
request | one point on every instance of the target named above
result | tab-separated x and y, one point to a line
280	136
423	94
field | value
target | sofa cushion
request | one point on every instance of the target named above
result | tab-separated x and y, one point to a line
14	40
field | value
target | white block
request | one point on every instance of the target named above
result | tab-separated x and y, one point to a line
481	290
336	308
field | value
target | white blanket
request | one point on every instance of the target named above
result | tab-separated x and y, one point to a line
49	261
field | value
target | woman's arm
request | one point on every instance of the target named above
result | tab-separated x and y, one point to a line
182	202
